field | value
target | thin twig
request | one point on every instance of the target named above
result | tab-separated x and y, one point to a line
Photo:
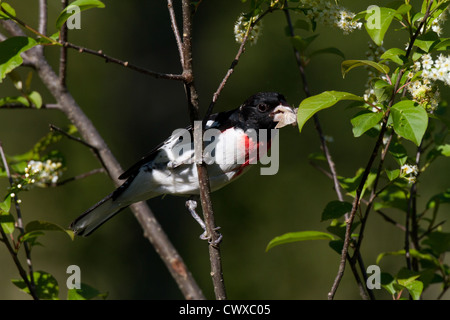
63	51
22	106
204	186
126	64
77	177
176	32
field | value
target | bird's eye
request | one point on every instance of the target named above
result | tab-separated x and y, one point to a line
263	107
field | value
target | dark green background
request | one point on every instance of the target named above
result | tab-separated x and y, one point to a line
134	112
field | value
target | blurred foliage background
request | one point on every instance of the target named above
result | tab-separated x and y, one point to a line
135	112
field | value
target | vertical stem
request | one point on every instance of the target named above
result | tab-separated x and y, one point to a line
205	192
63	51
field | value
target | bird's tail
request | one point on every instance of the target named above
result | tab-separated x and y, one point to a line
94	217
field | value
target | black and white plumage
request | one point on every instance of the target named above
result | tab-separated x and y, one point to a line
170	167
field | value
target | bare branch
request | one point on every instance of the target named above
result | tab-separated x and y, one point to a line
43	16
205	192
176	32
125	64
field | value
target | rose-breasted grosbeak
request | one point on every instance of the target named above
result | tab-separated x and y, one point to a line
170	167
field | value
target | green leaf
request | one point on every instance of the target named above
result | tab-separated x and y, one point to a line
336	209
336	245
395	55
10	51
413	253
348	65
383	90
351	184
301	44
339	228
444	150
46	226
298	236
415	289
392	197
86	292
36	99
46	285
437	199
387	282
18	99
430	42
438	241
82	5
378	22
331	50
398	151
309	106
392	174
7	220
10	10
364	121
410	120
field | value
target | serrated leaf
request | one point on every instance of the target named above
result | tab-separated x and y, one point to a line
378	22
365	120
336	209
10	51
298	236
410	120
348	65
81	5
309	106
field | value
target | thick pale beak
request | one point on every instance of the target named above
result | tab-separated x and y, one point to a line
284	115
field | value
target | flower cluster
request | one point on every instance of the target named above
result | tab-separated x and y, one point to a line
241	28
423	89
409	172
42	173
327	12
436	25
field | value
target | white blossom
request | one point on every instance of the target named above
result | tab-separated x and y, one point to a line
241	27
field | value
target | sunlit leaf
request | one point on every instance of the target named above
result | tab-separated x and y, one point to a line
10	51
309	106
298	236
